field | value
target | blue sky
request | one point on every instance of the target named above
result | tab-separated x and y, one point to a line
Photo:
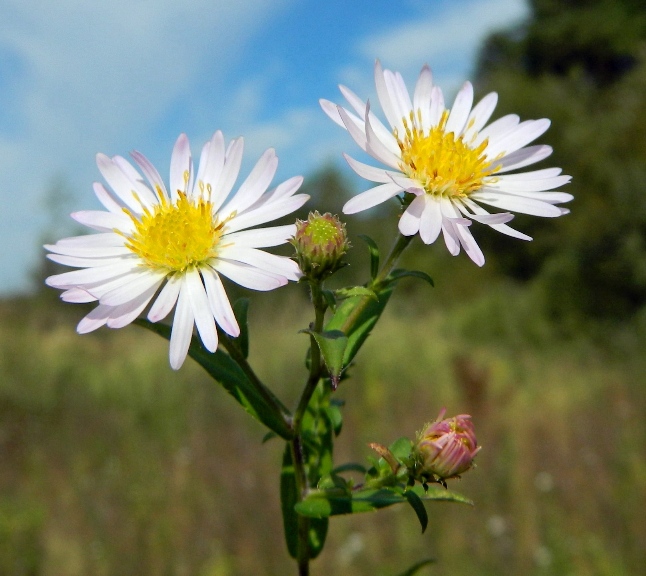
79	77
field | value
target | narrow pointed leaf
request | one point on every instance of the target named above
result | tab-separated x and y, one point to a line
241	309
374	255
416	503
332	344
399	273
322	503
415	568
255	398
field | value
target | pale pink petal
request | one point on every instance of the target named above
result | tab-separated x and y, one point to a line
376	148
144	193
109	202
422	95
151	173
355	127
470	245
437	106
78	277
118	181
384	97
522	135
77	296
230	171
515	186
502	228
332	110
368	172
480	114
262	214
264	260
497	129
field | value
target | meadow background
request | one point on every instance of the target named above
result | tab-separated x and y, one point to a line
113	464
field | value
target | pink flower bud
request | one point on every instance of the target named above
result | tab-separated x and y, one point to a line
446	448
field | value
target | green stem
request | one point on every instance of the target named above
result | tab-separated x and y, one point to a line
298	455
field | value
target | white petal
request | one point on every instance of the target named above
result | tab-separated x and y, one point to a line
265	261
410	219
230	171
376	148
460	110
219	301
254	185
181	166
82	261
497	129
182	331
124	314
332	110
287	188
139	282
261	237
384	97
522	135
95	319
517	203
146	197
398	97
104	221
470	245
211	163
92	240
437	106
118	181
271	211
517	186
451	238
384	134
86	251
355	127
368	172
423	88
431	222
480	114
109	202
166	299
502	228
79	277
150	172
371	198
77	296
249	276
523	157
201	310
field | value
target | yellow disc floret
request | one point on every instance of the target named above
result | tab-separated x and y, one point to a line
174	237
443	164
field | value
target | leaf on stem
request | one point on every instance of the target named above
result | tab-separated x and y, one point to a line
332	344
374	255
356	291
400	273
241	309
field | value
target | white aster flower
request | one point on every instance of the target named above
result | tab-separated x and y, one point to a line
449	160
183	240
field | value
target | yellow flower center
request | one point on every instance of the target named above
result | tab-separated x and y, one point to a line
174	237
443	164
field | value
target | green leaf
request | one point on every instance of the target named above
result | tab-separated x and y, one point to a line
330	299
400	273
356	291
241	309
416	567
401	448
416	502
317	530
332	344
355	317
255	398
323	503
374	255
350	467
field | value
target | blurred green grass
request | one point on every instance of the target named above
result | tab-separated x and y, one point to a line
113	464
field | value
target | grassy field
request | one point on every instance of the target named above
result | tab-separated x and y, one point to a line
113	464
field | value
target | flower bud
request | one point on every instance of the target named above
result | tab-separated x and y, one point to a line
321	242
446	447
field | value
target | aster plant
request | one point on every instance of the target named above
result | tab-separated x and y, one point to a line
160	249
